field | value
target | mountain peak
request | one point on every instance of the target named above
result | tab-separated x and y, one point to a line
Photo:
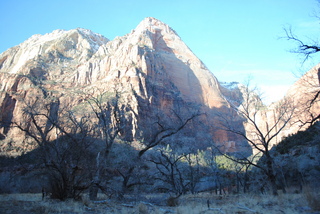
154	25
68	43
60	34
152	21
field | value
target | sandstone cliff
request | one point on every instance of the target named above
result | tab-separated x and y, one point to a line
305	93
304	96
156	73
300	104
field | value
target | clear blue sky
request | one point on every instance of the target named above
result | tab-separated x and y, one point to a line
234	38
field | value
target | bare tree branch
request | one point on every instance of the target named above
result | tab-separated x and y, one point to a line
305	49
164	133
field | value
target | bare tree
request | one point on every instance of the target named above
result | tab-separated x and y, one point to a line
111	116
157	134
63	140
262	128
170	172
37	120
307	47
193	171
225	173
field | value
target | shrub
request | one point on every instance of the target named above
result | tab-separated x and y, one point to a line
312	198
298	139
172	201
143	209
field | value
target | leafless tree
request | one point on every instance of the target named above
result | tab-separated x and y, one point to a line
215	171
63	140
111	116
227	175
170	172
262	128
157	134
37	120
307	47
193	171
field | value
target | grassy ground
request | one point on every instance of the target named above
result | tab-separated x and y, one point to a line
229	204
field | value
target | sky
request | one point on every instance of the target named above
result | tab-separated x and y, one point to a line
235	39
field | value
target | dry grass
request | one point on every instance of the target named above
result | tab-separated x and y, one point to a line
229	204
242	204
313	198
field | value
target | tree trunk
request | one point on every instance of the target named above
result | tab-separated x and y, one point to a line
93	192
272	179
245	181
271	176
126	178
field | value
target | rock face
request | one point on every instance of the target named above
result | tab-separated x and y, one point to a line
305	93
305	97
151	66
302	100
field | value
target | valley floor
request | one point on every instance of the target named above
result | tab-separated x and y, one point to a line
228	204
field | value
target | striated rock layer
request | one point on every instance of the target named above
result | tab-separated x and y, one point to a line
151	66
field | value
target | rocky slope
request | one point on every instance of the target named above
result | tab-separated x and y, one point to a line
156	73
299	156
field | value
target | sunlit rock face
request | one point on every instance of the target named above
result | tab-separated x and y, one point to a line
301	103
156	73
296	111
306	97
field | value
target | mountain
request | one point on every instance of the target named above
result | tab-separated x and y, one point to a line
304	98
301	103
305	92
157	75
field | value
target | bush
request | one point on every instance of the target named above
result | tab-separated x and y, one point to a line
172	201
143	209
312	198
